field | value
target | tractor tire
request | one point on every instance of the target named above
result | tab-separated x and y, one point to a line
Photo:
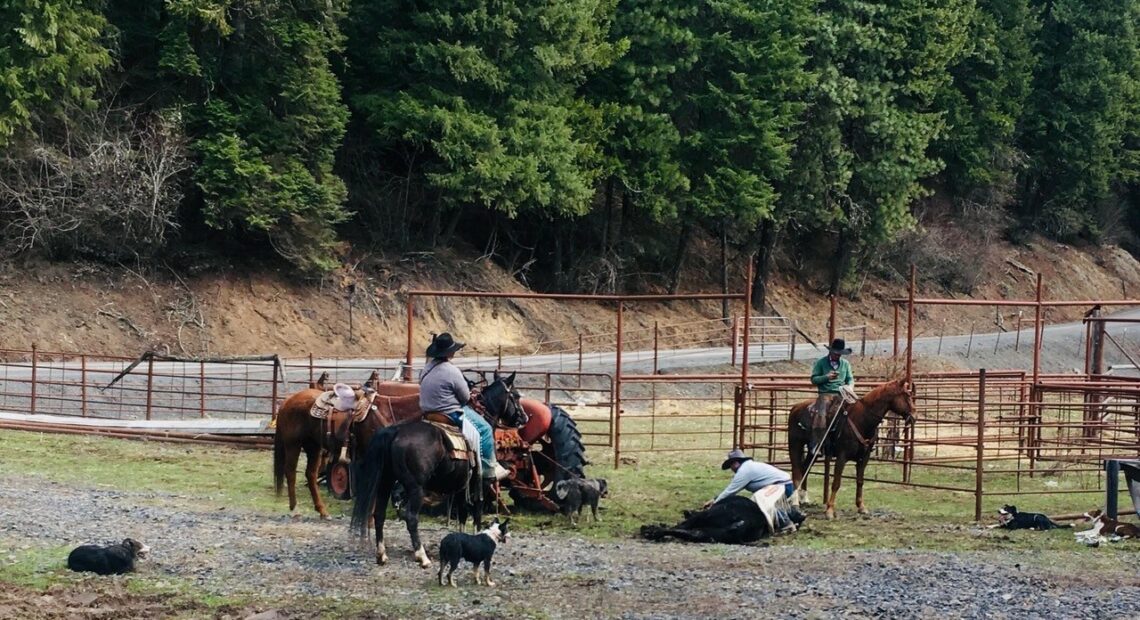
566	445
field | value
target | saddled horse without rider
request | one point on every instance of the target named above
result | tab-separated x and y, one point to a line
335	433
852	439
419	456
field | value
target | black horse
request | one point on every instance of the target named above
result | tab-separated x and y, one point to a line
733	520
415	454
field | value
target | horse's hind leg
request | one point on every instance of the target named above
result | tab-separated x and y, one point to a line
379	512
415	502
860	467
292	455
312	468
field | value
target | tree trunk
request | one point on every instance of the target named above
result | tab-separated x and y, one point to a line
767	236
559	276
451	226
679	257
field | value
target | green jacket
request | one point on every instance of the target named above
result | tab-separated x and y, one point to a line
819	375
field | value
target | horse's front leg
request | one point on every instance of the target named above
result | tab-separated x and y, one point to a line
796	454
860	467
312	468
379	513
838	473
415	501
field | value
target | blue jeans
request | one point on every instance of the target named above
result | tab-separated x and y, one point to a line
486	439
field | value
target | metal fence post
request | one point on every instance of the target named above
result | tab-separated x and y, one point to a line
83	383
978	464
149	384
617	390
35	361
1111	486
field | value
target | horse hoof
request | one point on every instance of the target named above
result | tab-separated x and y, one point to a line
325	517
830	514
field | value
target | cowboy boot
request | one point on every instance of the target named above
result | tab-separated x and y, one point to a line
817	432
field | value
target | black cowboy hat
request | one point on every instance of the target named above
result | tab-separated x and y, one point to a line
443	345
839	346
735	455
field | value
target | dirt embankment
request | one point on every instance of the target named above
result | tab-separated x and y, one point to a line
127	309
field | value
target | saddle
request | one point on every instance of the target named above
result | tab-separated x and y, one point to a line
328	402
456	443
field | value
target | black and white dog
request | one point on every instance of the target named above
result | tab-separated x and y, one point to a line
475	548
109	560
575	493
1009	518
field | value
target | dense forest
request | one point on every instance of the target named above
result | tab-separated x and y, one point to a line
578	142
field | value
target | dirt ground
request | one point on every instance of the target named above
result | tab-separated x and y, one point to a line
80	307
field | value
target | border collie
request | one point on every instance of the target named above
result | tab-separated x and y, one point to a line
475	548
1009	518
1102	525
574	493
109	560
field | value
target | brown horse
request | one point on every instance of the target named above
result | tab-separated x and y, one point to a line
296	430
852	439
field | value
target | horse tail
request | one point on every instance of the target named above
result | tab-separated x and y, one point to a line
369	470
278	461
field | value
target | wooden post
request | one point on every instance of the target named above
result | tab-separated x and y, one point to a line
744	340
1037	332
978	463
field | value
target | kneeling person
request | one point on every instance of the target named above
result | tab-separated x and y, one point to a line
755	476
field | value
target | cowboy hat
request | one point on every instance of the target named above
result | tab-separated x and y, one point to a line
735	455
443	345
839	346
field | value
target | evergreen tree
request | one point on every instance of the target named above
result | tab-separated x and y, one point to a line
51	54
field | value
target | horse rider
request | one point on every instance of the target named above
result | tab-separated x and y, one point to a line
829	374
444	389
754	476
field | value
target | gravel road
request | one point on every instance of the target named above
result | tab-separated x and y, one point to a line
306	562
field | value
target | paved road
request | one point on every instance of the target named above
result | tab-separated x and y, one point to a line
176	384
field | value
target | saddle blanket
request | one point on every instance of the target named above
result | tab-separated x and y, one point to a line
458	446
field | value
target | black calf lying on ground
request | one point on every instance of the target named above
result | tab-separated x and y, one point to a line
734	520
109	560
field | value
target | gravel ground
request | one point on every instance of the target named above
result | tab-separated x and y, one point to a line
296	562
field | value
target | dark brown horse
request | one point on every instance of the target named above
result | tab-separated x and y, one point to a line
852	439
296	430
418	456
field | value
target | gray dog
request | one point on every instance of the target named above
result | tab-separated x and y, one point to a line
575	493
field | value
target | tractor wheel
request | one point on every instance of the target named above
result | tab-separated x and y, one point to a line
563	446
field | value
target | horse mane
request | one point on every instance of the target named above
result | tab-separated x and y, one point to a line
889	386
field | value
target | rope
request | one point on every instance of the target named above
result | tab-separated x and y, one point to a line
815	455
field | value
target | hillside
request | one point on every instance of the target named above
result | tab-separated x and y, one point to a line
228	311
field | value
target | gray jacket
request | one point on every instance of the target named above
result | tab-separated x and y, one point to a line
442	387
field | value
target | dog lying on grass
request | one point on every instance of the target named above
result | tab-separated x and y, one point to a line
574	494
109	560
1011	519
1103	526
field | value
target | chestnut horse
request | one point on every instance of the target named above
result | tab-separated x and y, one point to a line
852	439
418	456
296	430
